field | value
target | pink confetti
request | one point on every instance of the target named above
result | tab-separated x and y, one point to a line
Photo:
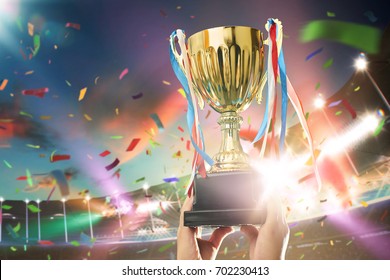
124	73
73	25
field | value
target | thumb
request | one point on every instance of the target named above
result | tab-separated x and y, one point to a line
250	231
219	235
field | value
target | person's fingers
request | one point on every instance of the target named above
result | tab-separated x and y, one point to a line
250	231
219	234
185	232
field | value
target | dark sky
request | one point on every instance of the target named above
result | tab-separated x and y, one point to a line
119	34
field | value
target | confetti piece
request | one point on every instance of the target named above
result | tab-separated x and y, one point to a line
384	215
157	121
33	208
171	180
177	155
45	118
139	180
133	144
16	228
55	158
3	84
293	225
208	114
30	28
137	96
113	164
37	44
370	15
142	251
330	14
349	108
335	103
362	37
379	128
33	146
299	233
166	247
40	92
29	72
87	117
148	152
188	145
180	128
166	83
323	200
123	73
365	204
83	91
317	86
11	231
328	63
45	242
75	243
348	243
331	243
7	163
13	249
96	79
182	92
316	153
314	54
105	153
28	178
73	25
338	113
322	219
302	256
307	115
6	207
116	137
68	83
356	89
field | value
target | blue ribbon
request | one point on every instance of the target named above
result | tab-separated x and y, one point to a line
283	80
190	111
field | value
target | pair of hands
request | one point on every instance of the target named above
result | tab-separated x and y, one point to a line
269	242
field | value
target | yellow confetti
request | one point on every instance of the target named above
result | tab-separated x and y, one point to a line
87	117
55	47
29	72
331	243
357	88
182	92
70	115
310	160
166	83
117	111
365	204
30	27
82	93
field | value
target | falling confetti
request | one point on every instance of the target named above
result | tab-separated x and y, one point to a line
73	25
137	96
328	63
3	84
335	103
180	128
55	158
83	91
171	180
330	14
356	88
166	83
182	92
113	164
379	128
349	243
133	144
139	180
157	121
87	117
105	153
188	145
7	163
317	86
33	208
6	207
166	247
208	114
299	233
331	243
123	73
311	55
40	92
75	243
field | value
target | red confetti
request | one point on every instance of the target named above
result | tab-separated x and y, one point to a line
59	158
113	164
180	128
188	145
39	92
133	144
73	25
105	153
45	242
21	178
124	73
349	108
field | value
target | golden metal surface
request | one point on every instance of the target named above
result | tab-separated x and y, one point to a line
226	65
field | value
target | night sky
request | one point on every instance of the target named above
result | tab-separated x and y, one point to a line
133	35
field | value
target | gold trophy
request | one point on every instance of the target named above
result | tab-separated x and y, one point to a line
226	69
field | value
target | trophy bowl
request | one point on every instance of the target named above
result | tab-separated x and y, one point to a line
226	68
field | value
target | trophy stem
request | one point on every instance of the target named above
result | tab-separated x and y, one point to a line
231	157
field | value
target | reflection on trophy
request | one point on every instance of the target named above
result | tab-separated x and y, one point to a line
226	67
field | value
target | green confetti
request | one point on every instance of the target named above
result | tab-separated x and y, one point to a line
37	44
361	37
166	247
349	242
22	113
7	163
302	256
249	120
69	84
158	212
75	243
116	137
317	86
139	180
299	233
338	113
17	228
225	251
17	190
13	249
330	14
6	207
307	115
29	179
33	146
33	208
379	128
48	257
89	253
25	247
328	63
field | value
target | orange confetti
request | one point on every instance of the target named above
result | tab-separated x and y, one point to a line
83	91
30	27
166	83
310	160
87	117
3	84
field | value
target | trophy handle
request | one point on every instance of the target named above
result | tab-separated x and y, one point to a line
179	59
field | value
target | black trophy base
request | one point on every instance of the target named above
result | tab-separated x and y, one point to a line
226	199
